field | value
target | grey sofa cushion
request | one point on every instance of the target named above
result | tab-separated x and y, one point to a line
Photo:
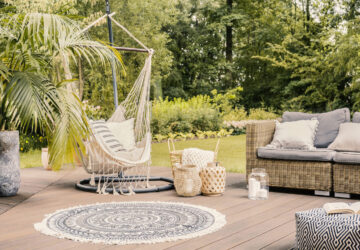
347	157
329	124
296	154
356	117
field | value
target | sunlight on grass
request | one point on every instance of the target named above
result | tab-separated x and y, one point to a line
231	152
30	159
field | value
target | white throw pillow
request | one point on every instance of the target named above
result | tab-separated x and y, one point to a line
348	138
124	132
104	136
295	135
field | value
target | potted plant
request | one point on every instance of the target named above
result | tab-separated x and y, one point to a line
37	90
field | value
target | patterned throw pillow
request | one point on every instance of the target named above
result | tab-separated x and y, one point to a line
103	134
124	132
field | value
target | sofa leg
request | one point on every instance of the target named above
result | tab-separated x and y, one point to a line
322	193
342	195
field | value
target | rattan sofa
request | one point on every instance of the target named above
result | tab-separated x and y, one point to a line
311	175
283	173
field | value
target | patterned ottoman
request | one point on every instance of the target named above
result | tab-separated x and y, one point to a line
317	230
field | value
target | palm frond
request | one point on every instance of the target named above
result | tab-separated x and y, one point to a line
71	128
4	72
30	100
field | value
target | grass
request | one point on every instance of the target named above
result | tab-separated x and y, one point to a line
231	153
30	159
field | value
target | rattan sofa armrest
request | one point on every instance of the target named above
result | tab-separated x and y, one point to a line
258	134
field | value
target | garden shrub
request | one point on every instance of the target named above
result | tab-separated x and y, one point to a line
32	142
185	116
261	114
237	114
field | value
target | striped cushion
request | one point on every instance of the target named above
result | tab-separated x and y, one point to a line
105	136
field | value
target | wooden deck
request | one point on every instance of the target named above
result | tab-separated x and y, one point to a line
250	224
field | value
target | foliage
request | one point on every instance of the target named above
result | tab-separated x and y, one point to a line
38	50
179	115
286	55
261	114
32	142
190	136
93	112
236	114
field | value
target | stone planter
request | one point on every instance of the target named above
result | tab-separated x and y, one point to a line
9	163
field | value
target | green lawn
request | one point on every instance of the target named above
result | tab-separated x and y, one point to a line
231	153
30	159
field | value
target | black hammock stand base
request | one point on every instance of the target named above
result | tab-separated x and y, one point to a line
84	185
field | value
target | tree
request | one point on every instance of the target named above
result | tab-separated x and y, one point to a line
37	91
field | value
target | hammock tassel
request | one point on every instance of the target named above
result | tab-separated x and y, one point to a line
103	190
98	188
115	192
92	180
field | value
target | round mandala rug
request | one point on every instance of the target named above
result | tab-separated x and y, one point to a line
131	222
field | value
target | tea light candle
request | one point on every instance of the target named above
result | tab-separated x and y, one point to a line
188	185
254	187
262	193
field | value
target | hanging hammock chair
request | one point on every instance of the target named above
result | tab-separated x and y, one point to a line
125	171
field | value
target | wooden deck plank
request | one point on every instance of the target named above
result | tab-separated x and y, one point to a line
32	181
250	224
286	242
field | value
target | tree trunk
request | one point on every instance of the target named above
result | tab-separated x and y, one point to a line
229	46
68	75
307	14
81	79
229	35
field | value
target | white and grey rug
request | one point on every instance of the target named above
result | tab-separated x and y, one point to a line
131	222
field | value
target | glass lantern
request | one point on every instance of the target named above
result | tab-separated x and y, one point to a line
258	186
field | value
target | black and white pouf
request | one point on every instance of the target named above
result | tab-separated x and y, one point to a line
131	222
317	230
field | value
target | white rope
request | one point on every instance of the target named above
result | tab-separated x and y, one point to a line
137	105
130	34
95	22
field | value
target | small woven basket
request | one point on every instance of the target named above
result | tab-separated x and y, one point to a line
176	155
213	179
187	180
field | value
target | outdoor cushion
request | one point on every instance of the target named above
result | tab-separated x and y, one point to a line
103	134
329	124
295	154
295	135
347	157
356	117
124	132
348	138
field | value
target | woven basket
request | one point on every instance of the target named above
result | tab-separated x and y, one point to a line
187	180
176	155
213	179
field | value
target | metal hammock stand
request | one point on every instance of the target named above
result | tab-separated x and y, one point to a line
124	172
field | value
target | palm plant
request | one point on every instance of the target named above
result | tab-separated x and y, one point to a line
37	91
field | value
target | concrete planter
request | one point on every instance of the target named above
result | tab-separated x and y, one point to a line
9	163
